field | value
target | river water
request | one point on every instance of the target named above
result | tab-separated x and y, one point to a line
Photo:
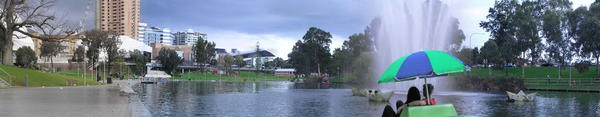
266	99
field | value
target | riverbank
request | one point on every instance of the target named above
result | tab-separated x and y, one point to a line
495	84
243	76
90	101
541	78
19	77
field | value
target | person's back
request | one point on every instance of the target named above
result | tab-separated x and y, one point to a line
428	99
413	95
388	111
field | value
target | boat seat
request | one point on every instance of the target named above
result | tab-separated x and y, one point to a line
440	110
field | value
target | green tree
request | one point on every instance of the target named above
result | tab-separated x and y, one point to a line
586	31
490	53
312	53
554	37
278	62
139	59
527	33
466	55
204	51
502	27
111	47
225	63
239	61
78	56
353	60
213	62
25	57
49	50
476	56
93	42
169	60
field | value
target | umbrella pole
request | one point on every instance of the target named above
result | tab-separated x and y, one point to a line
426	92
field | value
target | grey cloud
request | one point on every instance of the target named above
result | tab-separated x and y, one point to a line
260	16
289	17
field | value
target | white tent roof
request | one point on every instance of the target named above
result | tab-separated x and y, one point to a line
285	70
156	74
21	40
129	44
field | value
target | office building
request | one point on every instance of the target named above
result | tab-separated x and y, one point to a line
150	35
188	38
118	16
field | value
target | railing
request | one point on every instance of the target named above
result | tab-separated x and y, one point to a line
563	83
10	77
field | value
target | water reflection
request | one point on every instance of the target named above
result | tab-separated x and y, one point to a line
195	98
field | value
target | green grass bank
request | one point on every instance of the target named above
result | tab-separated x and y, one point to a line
39	78
536	77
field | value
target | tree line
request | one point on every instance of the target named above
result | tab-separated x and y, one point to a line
354	60
535	32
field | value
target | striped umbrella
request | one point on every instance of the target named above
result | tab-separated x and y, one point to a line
422	64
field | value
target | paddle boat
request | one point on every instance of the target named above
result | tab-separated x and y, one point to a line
521	96
423	65
379	96
441	110
359	92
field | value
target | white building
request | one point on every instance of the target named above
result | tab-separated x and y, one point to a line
188	38
150	35
251	59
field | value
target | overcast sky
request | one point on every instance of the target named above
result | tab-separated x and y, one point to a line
277	24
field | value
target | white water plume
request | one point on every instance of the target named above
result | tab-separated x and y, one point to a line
407	26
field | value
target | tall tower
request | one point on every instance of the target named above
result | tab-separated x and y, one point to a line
119	16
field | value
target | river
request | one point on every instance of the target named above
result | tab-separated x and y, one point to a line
265	99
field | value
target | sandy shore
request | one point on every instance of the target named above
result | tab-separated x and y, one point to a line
92	101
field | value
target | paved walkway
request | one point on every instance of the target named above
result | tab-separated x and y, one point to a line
91	101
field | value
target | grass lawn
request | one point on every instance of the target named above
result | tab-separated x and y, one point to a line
242	77
535	72
39	78
535	77
588	87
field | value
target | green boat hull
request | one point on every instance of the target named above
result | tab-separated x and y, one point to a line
441	110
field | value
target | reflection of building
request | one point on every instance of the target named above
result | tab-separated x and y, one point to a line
120	16
251	59
285	72
187	38
150	35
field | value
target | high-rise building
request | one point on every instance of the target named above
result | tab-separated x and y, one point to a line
188	38
150	35
119	16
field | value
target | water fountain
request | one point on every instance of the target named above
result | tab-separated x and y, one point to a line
407	26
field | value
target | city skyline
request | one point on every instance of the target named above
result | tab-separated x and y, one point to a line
280	23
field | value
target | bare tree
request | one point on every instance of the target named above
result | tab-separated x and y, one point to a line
49	50
18	15
99	41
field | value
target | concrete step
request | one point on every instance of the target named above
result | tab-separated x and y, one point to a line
4	84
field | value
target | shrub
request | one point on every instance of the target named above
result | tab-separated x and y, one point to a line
26	57
582	66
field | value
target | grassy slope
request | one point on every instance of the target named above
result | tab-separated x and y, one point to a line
38	78
535	72
535	77
243	76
